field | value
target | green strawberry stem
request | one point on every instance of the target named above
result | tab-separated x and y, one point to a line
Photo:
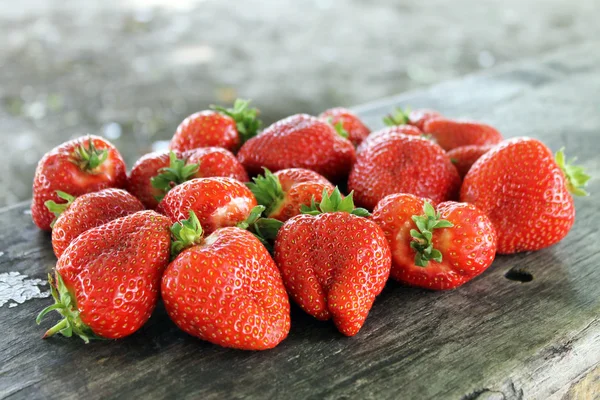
186	233
246	118
65	306
397	117
421	242
58	208
90	158
264	229
339	128
334	203
576	177
175	174
267	190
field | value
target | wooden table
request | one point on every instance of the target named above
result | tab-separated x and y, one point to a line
494	338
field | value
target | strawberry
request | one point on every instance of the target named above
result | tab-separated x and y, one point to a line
383	134
415	118
155	174
79	166
107	280
464	157
88	211
346	121
299	141
440	248
284	192
450	133
333	262
228	128
218	202
403	164
225	288
526	193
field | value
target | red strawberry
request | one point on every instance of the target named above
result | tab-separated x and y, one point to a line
218	202
334	263
435	250
107	280
526	193
345	120
155	174
416	118
227	128
383	134
403	164
88	211
225	289
299	141
464	157
79	166
450	134
286	191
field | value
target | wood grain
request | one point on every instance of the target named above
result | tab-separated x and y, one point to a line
492	338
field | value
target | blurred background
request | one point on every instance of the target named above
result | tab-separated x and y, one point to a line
131	70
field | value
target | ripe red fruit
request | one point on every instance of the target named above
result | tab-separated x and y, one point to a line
285	192
225	288
155	174
228	128
403	164
346	121
107	280
79	166
88	211
450	134
438	248
385	133
416	118
299	141
464	157
218	202
526	193
333	263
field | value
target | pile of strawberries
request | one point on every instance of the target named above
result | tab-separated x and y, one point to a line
224	252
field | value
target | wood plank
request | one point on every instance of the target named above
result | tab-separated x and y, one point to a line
492	338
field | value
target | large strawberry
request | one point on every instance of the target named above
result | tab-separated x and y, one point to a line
333	262
108	279
464	157
450	133
416	118
383	134
345	120
218	202
526	193
88	211
435	248
155	174
299	141
228	128
225	288
286	191
403	164
79	166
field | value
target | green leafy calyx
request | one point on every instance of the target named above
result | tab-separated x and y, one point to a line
264	229
421	242
334	203
577	179
186	233
58	208
246	118
397	117
175	174
267	190
90	158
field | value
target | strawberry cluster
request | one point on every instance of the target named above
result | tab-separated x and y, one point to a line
233	221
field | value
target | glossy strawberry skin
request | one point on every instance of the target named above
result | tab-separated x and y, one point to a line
419	117
299	141
228	291
217	202
450	134
333	266
114	272
89	211
357	130
468	248
385	133
212	161
206	129
521	188
464	157
403	164
57	171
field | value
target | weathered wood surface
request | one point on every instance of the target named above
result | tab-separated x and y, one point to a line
493	338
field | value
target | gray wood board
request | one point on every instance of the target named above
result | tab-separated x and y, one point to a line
492	338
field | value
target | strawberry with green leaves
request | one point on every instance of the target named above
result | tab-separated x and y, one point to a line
346	123
334	262
439	248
